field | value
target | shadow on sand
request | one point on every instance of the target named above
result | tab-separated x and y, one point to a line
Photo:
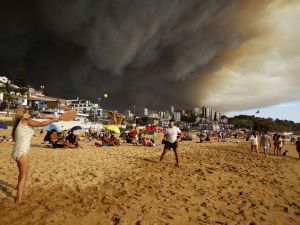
4	186
140	158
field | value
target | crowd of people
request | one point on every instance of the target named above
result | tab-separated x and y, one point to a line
266	143
60	140
23	132
107	139
137	137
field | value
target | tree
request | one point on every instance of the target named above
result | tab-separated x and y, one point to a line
262	124
7	88
21	78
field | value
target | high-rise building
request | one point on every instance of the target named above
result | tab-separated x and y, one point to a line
145	112
177	116
161	114
217	116
172	109
212	114
82	105
128	114
206	112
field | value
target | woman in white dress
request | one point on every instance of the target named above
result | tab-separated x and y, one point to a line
279	143
22	133
254	142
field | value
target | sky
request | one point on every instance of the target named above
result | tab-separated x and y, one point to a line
285	111
232	55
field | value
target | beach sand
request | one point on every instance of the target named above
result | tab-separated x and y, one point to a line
216	183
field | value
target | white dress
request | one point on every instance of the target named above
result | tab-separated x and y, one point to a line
23	135
254	140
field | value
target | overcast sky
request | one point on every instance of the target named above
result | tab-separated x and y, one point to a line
285	111
231	55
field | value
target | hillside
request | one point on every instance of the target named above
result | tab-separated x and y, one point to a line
262	124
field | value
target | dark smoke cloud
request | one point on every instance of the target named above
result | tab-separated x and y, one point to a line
145	53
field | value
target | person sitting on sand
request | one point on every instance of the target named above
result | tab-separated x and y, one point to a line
265	142
72	138
113	141
47	137
148	142
134	136
201	137
58	142
22	134
207	138
254	143
108	140
105	139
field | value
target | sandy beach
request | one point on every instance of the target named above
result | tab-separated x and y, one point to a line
216	183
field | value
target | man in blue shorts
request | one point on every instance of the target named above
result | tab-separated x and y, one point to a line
265	142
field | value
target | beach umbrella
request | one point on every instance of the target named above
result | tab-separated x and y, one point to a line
76	128
113	128
3	126
52	127
151	132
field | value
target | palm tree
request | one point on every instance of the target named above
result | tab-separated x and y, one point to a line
6	89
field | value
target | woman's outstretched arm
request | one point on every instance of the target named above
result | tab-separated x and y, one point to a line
34	123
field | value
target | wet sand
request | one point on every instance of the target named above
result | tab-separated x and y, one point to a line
216	183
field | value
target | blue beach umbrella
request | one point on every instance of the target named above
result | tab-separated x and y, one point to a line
3	126
51	127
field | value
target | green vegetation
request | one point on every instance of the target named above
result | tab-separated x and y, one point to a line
7	88
21	78
262	124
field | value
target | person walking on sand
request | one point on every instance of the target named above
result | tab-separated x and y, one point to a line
279	143
171	140
298	146
254	143
275	142
265	142
22	133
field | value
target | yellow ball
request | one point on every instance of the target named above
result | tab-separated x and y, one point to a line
105	95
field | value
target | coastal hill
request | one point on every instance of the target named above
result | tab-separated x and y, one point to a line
262	124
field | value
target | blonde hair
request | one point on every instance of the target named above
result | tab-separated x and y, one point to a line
20	111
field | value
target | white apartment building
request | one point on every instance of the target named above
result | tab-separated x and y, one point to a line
81	105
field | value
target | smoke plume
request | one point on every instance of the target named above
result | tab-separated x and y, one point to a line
229	54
